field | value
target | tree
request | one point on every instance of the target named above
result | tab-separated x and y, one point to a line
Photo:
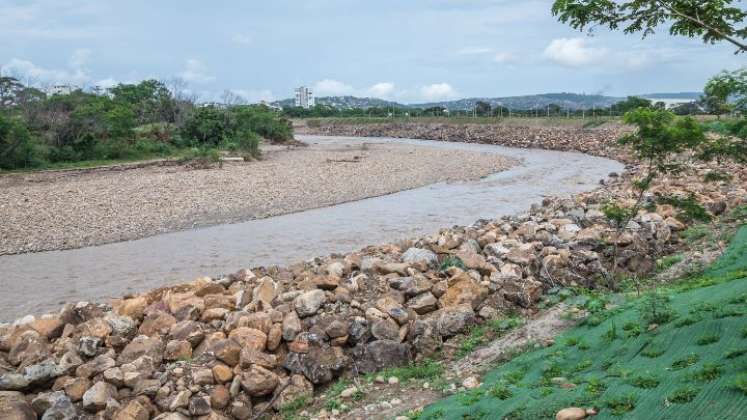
631	103
9	89
482	108
710	20
723	87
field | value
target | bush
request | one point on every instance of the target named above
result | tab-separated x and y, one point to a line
18	149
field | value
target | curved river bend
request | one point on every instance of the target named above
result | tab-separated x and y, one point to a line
40	282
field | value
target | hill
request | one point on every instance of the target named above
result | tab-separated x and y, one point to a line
679	356
346	102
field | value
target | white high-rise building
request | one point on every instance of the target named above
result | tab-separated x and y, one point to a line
304	97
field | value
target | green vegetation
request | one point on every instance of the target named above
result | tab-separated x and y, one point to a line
481	334
127	122
695	366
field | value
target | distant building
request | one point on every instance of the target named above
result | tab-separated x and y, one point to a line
61	90
273	107
304	97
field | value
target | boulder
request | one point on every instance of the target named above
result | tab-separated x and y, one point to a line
463	289
308	303
299	387
571	413
142	346
418	255
258	381
14	406
455	319
381	354
291	326
423	303
60	407
97	397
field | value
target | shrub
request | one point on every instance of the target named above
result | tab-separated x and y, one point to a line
707	339
18	149
645	381
685	362
656	309
740	383
683	395
621	404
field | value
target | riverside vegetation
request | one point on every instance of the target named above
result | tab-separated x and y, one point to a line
262	339
126	122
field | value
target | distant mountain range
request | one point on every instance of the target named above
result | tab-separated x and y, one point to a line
564	100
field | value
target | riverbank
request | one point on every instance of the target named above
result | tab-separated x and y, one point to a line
265	339
73	209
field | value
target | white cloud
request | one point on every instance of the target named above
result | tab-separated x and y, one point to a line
574	52
196	72
330	87
35	74
242	39
437	91
504	57
474	50
381	90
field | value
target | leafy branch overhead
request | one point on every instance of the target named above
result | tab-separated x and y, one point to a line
711	20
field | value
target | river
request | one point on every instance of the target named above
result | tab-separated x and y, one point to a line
41	282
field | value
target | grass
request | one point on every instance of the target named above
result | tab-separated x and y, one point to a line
696	363
481	334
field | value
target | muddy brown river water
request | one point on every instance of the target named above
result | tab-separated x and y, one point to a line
41	282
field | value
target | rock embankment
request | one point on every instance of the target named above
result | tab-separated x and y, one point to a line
257	340
597	141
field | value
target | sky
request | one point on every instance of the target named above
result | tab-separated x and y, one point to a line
408	51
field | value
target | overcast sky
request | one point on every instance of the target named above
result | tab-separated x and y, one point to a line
410	51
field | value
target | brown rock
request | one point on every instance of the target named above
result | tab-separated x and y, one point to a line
14	407
258	381
423	303
571	413
76	387
275	337
265	292
222	373
463	289
299	387
227	350
157	323
142	346
134	410
219	397
96	397
291	326
178	350
96	327
49	327
249	337
250	356
326	282
133	308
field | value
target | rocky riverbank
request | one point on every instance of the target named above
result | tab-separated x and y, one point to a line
259	339
73	209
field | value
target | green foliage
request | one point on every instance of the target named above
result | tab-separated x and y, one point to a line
645	381
684	394
426	370
740	383
631	103
704	340
710	20
617	214
621	404
717	176
451	261
18	149
655	308
500	391
289	410
660	134
689	208
709	372
685	362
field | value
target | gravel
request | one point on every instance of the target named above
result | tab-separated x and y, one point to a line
63	209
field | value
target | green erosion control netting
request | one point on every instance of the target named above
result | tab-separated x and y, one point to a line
684	369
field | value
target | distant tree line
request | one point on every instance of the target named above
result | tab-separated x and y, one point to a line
127	121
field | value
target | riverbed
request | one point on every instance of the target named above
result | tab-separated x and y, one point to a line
41	282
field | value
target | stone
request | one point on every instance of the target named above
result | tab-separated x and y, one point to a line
455	319
199	405
463	289
265	292
383	353
249	337
258	381
76	388
142	346
250	356
171	416
524	292
42	373
88	346
96	327
177	350
180	400
275	336
219	397
13	382
337	328
571	413
98	365
389	306
291	326
222	373
96	398
188	330
308	303
14	406
157	323
471	382
385	329
423	303
321	363
133	308
326	282
226	350
49	327
416	255
60	408
297	387
134	410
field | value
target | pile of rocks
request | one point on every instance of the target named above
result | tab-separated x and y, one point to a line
253	341
597	141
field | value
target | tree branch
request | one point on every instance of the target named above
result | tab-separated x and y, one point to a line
742	47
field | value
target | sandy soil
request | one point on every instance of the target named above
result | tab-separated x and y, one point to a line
72	209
